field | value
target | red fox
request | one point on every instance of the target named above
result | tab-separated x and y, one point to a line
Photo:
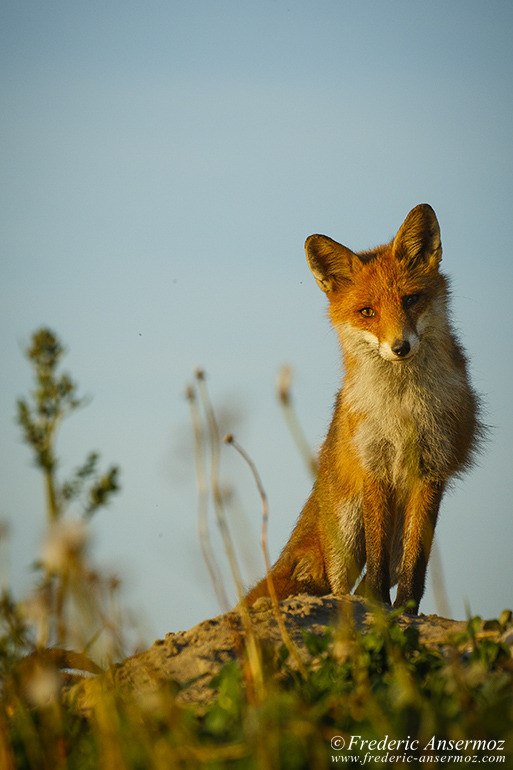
405	421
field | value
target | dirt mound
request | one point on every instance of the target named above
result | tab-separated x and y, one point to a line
191	658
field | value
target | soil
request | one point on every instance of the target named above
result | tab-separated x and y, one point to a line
190	659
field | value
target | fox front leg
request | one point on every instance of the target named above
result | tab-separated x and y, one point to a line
378	519
419	527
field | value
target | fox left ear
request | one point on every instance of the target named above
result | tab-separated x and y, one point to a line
418	241
331	263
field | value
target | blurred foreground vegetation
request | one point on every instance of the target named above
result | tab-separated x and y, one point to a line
268	709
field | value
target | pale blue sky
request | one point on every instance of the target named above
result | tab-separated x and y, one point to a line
162	164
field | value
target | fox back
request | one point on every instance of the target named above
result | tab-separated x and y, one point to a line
405	420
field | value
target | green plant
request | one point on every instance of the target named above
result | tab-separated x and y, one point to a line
53	399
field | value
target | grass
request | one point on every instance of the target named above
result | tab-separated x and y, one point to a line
354	698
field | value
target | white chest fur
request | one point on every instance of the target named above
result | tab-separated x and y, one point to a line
406	413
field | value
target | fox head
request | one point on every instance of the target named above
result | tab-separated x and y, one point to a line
384	300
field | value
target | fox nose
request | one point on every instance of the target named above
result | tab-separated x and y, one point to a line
401	348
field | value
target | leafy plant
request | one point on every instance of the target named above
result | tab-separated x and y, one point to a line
53	399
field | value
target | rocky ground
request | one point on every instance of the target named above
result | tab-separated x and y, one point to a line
191	658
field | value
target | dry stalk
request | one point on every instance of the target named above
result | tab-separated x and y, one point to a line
229	439
201	484
254	656
283	388
438	582
7	760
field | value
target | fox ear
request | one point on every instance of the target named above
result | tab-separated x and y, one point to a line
418	241
330	262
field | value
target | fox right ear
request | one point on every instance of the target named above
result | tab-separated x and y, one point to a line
329	261
418	240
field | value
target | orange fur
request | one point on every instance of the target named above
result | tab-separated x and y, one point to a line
405	421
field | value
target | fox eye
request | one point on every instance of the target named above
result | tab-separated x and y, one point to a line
410	300
367	312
